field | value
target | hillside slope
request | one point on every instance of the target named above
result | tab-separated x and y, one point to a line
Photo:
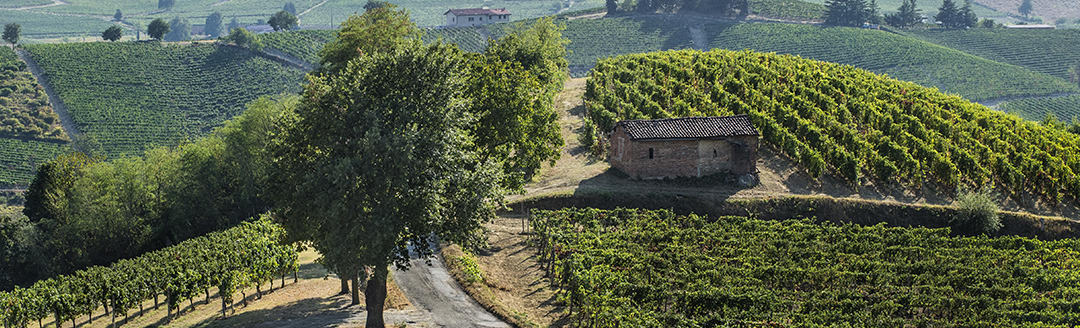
128	96
846	122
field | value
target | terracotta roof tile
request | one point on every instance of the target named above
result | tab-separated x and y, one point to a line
690	128
478	11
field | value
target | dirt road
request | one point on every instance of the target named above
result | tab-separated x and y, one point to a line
430	288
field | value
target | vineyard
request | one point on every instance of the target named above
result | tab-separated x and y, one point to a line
304	45
838	119
128	96
1048	51
787	9
19	159
656	269
466	38
24	106
37	25
23	3
901	57
1063	108
229	260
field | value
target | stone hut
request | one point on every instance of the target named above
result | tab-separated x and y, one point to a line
685	147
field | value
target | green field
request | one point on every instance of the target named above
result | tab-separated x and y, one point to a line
1048	51
19	159
849	122
128	96
656	269
899	56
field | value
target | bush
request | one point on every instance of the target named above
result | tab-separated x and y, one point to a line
977	211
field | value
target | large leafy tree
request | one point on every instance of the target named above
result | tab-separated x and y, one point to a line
157	28
214	25
381	28
378	157
179	30
907	15
283	21
11	34
113	33
848	12
1026	8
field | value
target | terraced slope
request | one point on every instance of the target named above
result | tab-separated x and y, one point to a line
898	56
851	123
128	96
1047	51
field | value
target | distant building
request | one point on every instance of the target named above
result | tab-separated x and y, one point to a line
1032	27
476	16
685	147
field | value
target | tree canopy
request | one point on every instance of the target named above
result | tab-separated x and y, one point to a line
282	21
378	157
379	29
1026	8
907	15
853	13
157	28
112	33
118	16
244	38
952	17
179	30
11	33
214	24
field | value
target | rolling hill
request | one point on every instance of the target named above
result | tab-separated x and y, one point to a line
844	121
129	96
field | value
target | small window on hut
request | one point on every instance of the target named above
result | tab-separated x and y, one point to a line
650	153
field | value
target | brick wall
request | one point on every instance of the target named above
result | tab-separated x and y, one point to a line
682	158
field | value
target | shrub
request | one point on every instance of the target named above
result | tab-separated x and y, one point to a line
977	211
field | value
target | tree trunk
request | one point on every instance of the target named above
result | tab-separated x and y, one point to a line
222	305
344	286
243	296
207	300
295	276
113	318
375	296
155	301
258	290
58	321
141	310
355	289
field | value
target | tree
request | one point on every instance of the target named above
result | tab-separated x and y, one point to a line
244	38
907	15
234	24
1026	8
282	21
952	17
377	30
290	7
966	17
987	23
46	194
166	4
179	30
377	158
118	16
112	33
213	25
157	29
853	13
11	34
947	13
612	7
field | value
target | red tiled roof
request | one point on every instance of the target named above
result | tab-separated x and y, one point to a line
690	128
478	11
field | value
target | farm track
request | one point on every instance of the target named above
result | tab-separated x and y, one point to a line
58	105
54	4
285	58
432	289
302	13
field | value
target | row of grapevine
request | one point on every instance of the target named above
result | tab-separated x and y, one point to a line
900	56
840	119
229	260
1052	52
655	269
128	96
304	44
1066	108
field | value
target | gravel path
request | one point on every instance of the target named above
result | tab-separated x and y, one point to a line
54	99
431	288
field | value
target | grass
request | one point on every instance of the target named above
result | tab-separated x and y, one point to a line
128	96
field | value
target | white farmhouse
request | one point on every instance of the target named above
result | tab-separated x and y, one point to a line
476	16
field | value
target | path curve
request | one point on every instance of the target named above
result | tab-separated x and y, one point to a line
57	104
302	13
54	4
432	289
